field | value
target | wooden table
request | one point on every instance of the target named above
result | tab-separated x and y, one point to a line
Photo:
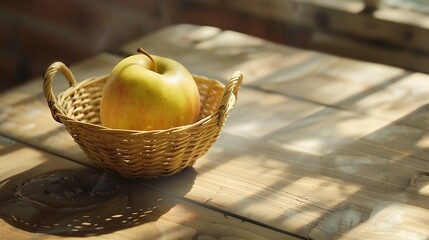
317	147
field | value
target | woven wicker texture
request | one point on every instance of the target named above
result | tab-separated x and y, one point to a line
139	154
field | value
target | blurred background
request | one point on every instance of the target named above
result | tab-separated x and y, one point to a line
35	33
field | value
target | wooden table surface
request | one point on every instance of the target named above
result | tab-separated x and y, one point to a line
317	147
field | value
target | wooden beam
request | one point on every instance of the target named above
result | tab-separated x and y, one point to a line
340	22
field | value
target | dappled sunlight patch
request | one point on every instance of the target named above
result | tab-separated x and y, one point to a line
203	33
393	220
423	142
335	224
358	125
267	169
27	127
310	143
291	70
415	12
349	70
230	40
253	157
259	66
256	167
349	6
258	114
380	104
306	198
351	164
398	138
328	129
328	192
363	168
328	79
396	99
419	184
300	150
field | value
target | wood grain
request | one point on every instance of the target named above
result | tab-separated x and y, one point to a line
327	152
304	150
103	208
343	21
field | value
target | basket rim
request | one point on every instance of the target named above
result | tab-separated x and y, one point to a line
136	132
140	132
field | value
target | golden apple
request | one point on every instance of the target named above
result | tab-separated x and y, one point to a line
148	92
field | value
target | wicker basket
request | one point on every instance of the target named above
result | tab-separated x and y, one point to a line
139	154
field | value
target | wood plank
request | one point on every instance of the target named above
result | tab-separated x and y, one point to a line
403	15
354	48
47	197
343	19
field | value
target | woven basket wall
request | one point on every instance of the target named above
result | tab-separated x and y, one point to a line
139	154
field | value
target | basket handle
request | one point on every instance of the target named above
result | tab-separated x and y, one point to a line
231	88
47	86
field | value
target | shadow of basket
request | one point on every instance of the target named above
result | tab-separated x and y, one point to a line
83	202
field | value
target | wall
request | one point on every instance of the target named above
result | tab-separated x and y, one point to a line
35	33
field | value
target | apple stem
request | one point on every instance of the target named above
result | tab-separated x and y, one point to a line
140	50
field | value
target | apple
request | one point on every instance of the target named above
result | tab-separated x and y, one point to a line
148	92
